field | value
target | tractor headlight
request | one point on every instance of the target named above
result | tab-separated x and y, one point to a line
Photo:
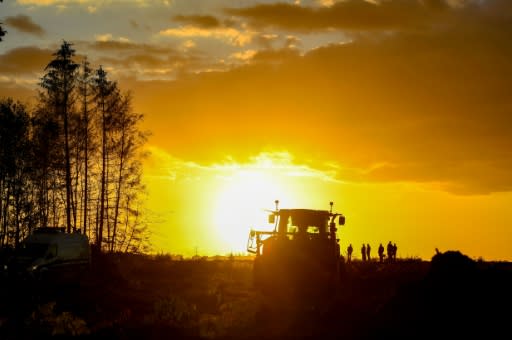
33	268
5	267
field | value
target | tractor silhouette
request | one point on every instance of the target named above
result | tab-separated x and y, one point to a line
301	254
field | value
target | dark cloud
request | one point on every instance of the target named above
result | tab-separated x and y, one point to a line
129	57
129	47
146	66
24	60
203	21
346	15
134	24
206	21
24	23
145	61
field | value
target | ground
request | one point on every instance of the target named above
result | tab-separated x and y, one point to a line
156	297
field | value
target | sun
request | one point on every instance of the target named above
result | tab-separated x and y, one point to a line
241	202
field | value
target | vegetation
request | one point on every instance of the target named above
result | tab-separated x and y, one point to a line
74	160
129	296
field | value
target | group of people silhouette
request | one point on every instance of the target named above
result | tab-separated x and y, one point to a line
366	252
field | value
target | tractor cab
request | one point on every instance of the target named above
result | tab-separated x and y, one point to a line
302	245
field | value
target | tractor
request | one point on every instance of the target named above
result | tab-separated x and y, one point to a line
301	254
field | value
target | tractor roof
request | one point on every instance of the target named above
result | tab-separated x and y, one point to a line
304	213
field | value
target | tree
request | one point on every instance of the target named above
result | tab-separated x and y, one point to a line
80	144
120	169
59	82
128	141
2	32
85	83
15	200
104	89
47	157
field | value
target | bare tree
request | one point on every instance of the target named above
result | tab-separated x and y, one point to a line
128	142
59	82
47	160
85	83
103	90
15	203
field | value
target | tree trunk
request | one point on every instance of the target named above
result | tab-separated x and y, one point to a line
68	167
86	164
6	212
119	184
103	170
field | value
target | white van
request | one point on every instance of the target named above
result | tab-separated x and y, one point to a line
51	253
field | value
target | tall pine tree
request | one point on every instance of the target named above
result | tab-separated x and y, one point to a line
59	82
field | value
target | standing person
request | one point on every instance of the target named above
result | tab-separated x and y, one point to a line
389	250
394	251
368	250
349	252
363	252
381	253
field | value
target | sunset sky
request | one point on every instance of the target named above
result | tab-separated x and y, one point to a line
399	111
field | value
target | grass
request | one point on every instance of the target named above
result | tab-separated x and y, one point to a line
154	297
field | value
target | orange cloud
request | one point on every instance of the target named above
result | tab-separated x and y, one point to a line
24	23
230	35
347	15
24	60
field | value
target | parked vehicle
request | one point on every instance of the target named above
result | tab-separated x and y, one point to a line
50	254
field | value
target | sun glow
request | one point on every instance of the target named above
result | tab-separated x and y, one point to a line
241	202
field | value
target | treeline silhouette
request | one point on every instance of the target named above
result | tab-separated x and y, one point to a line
73	159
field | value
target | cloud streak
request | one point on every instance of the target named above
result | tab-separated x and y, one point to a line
87	2
346	15
230	35
203	21
24	24
24	60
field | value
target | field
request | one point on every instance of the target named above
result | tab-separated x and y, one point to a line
148	297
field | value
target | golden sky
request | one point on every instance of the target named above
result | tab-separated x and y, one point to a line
399	111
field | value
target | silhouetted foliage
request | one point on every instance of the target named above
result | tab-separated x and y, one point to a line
84	130
457	297
103	89
452	264
59	82
131	296
15	172
2	32
73	160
